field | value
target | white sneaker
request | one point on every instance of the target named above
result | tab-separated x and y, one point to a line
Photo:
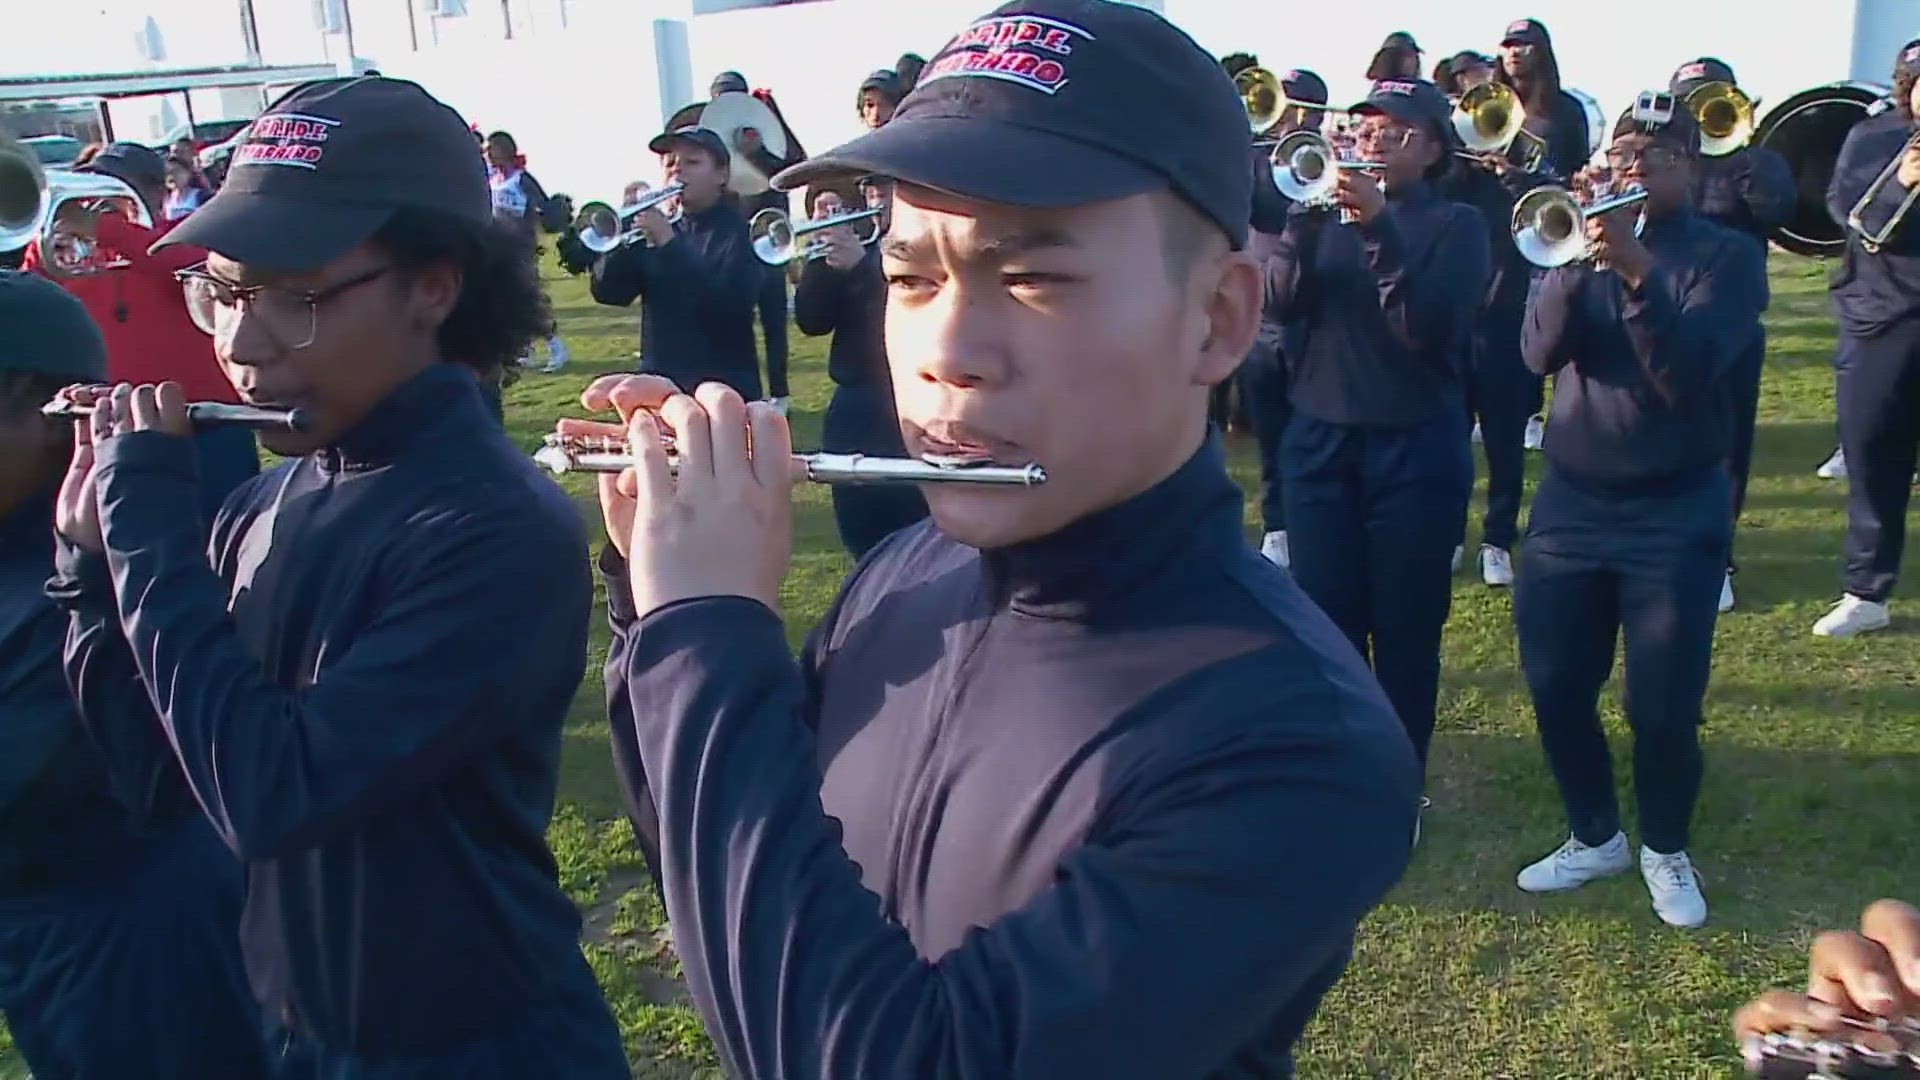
1852	615
557	355
1675	887
1476	436
1536	436
1418	816
1726	593
1574	864
1274	547
1496	566
1459	550
1834	468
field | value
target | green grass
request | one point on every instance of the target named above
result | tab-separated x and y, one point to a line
1807	813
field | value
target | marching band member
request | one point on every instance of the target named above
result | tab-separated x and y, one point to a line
908	67
138	307
1463	71
1876	298
878	96
699	278
521	203
1262	380
772	299
1529	65
371	715
1630	520
877	862
844	294
1751	191
119	908
1501	392
1397	58
1378	470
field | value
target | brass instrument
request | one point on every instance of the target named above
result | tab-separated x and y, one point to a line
777	241
1306	168
23	194
1550	225
1874	239
1725	115
1265	98
34	201
601	228
609	454
202	413
1490	121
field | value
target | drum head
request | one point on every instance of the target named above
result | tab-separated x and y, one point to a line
1807	129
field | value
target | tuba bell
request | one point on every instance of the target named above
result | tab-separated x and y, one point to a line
1264	97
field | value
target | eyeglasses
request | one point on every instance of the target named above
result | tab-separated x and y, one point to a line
1391	136
1659	157
292	318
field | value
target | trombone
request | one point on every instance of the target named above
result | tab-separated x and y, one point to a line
1489	120
1306	168
601	228
1550	225
1874	239
777	241
1265	99
1725	115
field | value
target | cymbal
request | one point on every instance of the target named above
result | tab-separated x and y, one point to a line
725	115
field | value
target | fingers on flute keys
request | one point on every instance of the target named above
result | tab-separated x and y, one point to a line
626	394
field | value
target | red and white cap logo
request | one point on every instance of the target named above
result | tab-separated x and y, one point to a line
1030	50
298	140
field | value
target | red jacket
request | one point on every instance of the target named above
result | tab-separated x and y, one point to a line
143	313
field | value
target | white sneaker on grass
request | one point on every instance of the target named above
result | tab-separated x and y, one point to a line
1726	593
1574	864
1496	566
1852	616
1274	547
1536	433
1834	468
1675	887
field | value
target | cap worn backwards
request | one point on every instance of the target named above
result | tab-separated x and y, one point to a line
1692	76
328	164
48	331
1060	103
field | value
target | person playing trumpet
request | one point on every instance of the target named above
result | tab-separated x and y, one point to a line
1751	191
1375	456
1876	298
698	277
1629	526
844	294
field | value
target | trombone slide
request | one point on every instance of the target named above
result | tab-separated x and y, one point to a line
564	454
1874	239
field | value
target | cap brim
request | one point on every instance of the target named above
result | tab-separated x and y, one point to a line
985	160
276	233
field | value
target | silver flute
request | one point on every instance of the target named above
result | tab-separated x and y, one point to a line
606	454
201	414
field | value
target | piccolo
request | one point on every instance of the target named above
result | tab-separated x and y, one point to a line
201	414
607	454
1876	1048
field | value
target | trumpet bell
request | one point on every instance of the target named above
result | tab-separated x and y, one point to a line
1549	227
777	241
1305	168
1263	96
1488	117
1725	115
23	194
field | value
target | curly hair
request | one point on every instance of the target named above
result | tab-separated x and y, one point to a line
1903	91
1235	63
502	309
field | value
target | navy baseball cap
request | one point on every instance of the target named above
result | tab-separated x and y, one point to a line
1663	117
44	330
1907	62
1400	39
704	138
1692	76
1059	103
1411	101
328	164
1527	32
729	82
1303	85
130	163
885	79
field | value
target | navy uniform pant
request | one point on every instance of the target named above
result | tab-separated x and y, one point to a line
227	457
773	320
1878	392
1372	515
1743	404
570	1033
860	420
135	971
1501	395
1644	570
1262	382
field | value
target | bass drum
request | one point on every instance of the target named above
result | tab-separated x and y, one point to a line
1807	129
1598	128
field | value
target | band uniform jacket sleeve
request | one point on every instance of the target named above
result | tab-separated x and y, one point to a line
824	298
1686	332
1545	344
1767	188
278	768
1865	152
801	975
1289	293
1432	299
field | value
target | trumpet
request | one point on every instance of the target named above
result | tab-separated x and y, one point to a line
601	228
610	454
1265	98
1306	168
1490	120
1725	115
778	241
203	414
1550	225
1874	239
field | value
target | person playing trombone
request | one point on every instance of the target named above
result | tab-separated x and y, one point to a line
1629	522
1876	297
1750	190
1375	456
